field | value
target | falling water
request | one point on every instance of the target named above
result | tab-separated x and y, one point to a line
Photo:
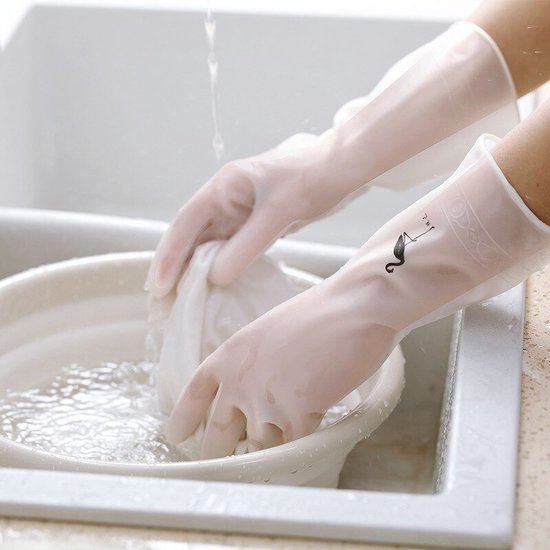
210	27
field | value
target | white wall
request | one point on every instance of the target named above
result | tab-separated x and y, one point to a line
109	110
17	169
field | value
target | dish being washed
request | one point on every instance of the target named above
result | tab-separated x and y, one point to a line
77	384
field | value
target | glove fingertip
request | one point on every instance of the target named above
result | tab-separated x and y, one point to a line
222	441
223	272
162	277
177	430
228	263
191	407
233	258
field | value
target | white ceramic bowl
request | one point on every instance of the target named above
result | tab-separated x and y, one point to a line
92	310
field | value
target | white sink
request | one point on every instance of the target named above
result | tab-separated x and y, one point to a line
440	471
107	111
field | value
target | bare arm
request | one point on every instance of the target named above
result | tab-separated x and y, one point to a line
524	157
521	29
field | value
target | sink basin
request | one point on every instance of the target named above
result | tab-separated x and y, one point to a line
440	471
107	121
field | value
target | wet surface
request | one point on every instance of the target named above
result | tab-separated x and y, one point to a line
105	412
401	455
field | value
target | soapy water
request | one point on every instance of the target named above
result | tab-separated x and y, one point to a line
107	412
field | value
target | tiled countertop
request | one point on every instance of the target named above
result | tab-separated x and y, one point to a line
533	495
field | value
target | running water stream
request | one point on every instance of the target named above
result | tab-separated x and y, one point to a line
210	28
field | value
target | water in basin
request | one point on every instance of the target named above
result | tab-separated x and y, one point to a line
107	412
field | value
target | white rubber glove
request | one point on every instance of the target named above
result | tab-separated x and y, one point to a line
204	316
420	121
468	240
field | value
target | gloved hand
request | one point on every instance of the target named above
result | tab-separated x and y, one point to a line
467	240
416	125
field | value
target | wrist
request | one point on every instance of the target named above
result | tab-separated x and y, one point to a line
343	155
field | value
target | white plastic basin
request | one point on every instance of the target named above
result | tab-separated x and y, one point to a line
94	310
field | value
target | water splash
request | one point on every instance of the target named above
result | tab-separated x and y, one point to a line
212	60
106	412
